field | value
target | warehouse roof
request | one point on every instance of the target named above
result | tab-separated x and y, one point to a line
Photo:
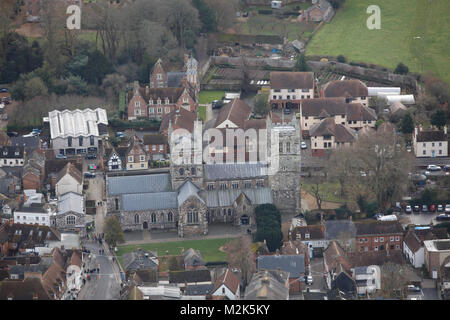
76	123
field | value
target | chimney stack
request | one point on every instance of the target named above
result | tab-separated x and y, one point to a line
445	129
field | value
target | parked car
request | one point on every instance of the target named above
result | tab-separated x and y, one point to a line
6	100
89	175
432	208
120	134
447	167
3	90
36	131
303	145
447	208
90	156
5	117
416	209
443	217
60	156
424	208
440	208
309	280
363	174
433	167
408	209
12	134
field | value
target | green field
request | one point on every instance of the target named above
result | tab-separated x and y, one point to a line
205	97
401	21
209	248
202	112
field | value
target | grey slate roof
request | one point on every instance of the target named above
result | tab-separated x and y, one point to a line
333	229
234	170
186	190
138	184
70	201
294	264
193	258
361	270
174	79
223	198
199	289
267	285
149	201
30	143
137	260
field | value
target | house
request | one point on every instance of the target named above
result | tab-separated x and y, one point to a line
368	279
159	78
178	119
69	179
398	109
70	215
294	264
233	115
430	143
140	260
288	89
115	158
54	166
77	131
360	116
334	262
15	238
343	231
156	146
136	156
143	277
27	289
35	214
227	285
343	286
268	285
30	144
379	236
354	91
321	11
328	135
189	277
33	173
11	156
313	236
297	247
435	253
193	260
199	290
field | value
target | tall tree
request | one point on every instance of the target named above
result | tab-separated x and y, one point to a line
393	280
339	165
439	118
241	256
113	231
225	11
206	14
268	221
407	124
261	104
300	64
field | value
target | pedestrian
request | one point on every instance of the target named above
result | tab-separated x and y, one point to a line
103	251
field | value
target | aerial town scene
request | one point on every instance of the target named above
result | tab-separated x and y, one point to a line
228	150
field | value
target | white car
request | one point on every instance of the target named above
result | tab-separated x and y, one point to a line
447	208
309	280
433	167
303	145
363	174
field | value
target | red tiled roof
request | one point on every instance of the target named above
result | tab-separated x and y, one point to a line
291	80
229	279
236	111
345	88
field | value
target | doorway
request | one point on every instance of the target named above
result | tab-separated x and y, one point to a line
145	225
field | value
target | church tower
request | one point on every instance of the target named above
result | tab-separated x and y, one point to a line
284	154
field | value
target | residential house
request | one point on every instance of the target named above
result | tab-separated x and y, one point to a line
354	91
159	78
343	231
379	236
177	119
328	135
233	115
368	279
227	285
413	247
10	184
199	290
77	131
136	156
69	179
268	285
70	215
313	236
189	277
435	254
294	264
193	260
54	166
321	11
35	214
143	277
156	146
398	109
114	158
30	144
11	156
430	143
140	260
334	262
27	289
297	247
33	173
288	89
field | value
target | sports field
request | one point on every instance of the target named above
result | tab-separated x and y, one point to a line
402	22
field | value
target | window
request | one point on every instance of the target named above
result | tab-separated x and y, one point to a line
142	158
440	144
366	248
91	138
306	124
167	109
136	218
69	141
223	186
167	101
37	218
235	185
288	147
440	151
137	104
424	144
432	144
381	239
392	239
274	97
308	96
303	96
185	100
70	220
247	184
305	90
170	217
288	97
159	110
376	248
260	183
153	147
361	240
306	235
277	90
397	238
397	246
153	218
150	102
210	186
151	110
192	169
375	239
280	148
366	240
291	90
424	152
159	76
294	97
80	141
116	202
229	212
142	165
130	159
223	290
161	147
161	217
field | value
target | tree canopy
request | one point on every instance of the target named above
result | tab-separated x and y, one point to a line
113	231
268	222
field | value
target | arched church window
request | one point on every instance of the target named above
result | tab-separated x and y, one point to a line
181	171
153	218
136	218
170	217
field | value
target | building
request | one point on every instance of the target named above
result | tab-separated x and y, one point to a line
35	214
140	260
115	157
136	156
430	143
292	264
177	119
70	215
313	236
30	144
193	260
268	285
354	91
328	135
435	253
379	236
11	156
321	11
288	89
156	146
69	179
368	279
189	277
233	115
77	131
227	285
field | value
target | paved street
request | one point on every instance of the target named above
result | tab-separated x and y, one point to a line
316	271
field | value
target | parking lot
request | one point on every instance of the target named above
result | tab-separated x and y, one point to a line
419	218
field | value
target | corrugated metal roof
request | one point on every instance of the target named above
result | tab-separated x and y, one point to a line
149	201
235	170
138	184
223	198
76	123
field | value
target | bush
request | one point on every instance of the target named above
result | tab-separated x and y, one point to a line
268	221
265	11
341	59
401	69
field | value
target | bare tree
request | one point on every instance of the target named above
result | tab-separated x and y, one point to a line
393	280
316	190
240	255
225	12
6	26
339	166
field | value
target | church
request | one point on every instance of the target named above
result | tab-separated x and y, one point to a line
192	196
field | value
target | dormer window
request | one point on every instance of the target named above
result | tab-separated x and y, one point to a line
137	104
16	153
150	102
306	235
185	100
167	100
5	153
159	101
159	76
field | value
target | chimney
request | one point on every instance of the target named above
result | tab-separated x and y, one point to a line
147	90
135	86
350	218
445	129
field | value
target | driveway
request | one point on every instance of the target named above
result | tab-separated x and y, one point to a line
316	271
419	218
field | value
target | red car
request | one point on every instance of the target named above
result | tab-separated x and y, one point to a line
432	208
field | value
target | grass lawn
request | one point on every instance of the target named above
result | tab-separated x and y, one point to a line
209	248
205	97
329	190
401	21
202	112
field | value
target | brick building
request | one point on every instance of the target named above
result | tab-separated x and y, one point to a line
379	236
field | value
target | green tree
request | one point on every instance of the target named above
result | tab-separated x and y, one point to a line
261	105
300	64
113	231
401	69
34	87
439	118
206	15
76	85
407	124
341	58
96	68
268	222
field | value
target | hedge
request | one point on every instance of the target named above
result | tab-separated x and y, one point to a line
117	123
